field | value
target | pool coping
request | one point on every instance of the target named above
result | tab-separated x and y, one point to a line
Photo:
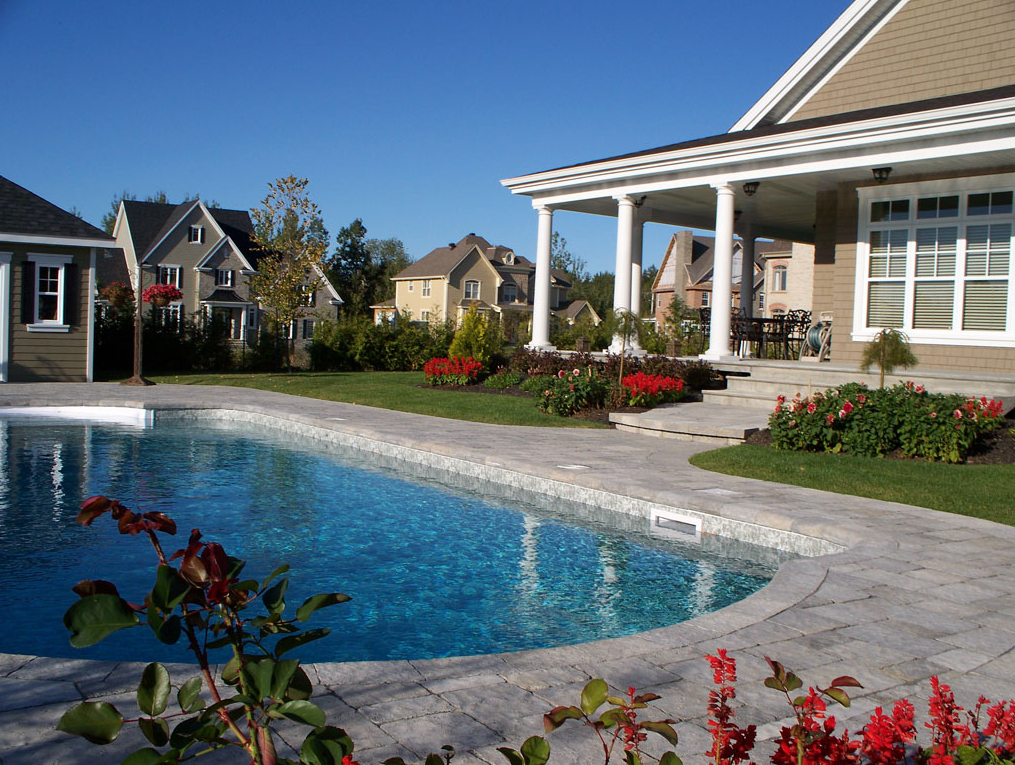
893	604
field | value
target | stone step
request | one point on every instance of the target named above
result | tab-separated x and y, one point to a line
694	422
741	400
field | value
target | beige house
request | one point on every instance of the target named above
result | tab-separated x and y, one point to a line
207	253
472	273
48	260
788	279
889	145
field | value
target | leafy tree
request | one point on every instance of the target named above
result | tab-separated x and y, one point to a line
598	290
561	257
478	337
889	349
387	258
109	219
648	275
351	268
289	232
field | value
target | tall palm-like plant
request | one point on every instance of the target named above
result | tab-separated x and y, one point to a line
888	350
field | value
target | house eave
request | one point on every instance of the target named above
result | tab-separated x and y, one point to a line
57	241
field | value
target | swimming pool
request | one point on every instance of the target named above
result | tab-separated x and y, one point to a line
433	570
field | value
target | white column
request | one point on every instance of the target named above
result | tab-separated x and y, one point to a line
541	293
722	275
747	271
622	271
636	251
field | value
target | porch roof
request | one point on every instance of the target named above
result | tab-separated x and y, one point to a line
793	160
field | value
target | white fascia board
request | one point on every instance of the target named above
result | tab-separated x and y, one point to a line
120	215
225	241
176	226
58	241
770	156
327	283
210	217
852	17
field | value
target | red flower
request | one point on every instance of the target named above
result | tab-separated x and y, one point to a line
811	407
830	418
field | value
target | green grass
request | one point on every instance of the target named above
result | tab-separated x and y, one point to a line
980	491
400	391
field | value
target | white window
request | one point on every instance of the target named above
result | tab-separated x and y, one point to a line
761	299
308	329
223	278
425	290
410	285
252	317
47	281
195	235
169	275
308	295
425	316
472	290
934	260
49	294
171	316
779	279
510	293
705	299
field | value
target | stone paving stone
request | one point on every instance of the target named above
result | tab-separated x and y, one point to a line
500	709
621	673
458	683
402	709
895	635
363	732
16	693
983	639
805	621
960	659
357	696
11	662
366	672
537	679
427	734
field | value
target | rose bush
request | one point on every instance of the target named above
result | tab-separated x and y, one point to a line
573	390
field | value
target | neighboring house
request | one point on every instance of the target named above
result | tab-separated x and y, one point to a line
48	260
889	145
789	279
472	273
209	255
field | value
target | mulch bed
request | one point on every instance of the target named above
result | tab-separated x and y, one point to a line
996	448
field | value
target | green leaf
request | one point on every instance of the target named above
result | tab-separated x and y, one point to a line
839	695
300	711
774	683
170	588
283	569
300	686
793	682
257	676
317	602
632	758
556	717
189	695
95	721
231	671
433	759
593	695
146	756
612	717
670	758
287	644
535	750
153	691
663	729
617	701
93	618
845	681
155	730
515	758
283	673
274	597
325	745
166	630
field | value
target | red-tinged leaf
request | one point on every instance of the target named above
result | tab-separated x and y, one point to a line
776	667
556	717
793	682
645	697
116	510
161	522
95	587
193	570
775	684
845	682
92	508
839	695
129	523
216	561
663	729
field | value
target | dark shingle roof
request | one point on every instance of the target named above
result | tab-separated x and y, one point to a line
150	221
22	212
440	261
223	296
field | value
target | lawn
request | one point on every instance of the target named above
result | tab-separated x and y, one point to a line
980	491
400	391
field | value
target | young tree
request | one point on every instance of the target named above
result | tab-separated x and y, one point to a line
351	268
292	239
561	257
387	258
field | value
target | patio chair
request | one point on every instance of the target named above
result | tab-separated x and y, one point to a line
798	322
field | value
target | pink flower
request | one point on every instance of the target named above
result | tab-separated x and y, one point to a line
847	407
811	407
861	398
792	423
919	389
560	374
829	419
933	415
575	372
842	413
781	399
546	392
958	414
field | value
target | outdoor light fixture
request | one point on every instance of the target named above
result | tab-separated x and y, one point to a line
750	187
881	173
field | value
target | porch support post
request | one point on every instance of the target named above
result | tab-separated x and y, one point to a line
747	271
622	271
722	274
636	253
541	295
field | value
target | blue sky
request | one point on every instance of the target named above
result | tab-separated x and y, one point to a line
404	114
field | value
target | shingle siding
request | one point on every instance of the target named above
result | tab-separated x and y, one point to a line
930	48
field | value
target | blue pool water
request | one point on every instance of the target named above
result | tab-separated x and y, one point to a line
432	571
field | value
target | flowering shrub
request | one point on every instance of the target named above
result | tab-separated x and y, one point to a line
873	423
650	390
573	390
504	378
452	371
166	292
117	294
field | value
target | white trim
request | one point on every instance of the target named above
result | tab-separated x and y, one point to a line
48	327
60	262
962	187
61	241
217	246
5	313
336	299
90	334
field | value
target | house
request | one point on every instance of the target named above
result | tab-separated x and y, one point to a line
889	145
472	273
209	255
48	260
687	268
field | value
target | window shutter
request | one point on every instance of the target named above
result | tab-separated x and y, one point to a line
932	305
986	306
885	304
28	292
71	288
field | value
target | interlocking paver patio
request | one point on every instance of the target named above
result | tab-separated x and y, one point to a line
917	592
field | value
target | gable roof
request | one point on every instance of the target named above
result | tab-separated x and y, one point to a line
440	261
150	222
29	216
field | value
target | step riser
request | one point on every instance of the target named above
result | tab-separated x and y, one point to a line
773	388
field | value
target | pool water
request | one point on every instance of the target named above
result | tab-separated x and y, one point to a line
432	571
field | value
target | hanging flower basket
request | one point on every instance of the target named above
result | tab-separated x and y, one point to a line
161	295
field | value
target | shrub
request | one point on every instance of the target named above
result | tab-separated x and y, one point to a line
505	378
889	349
651	390
873	423
451	371
478	337
536	383
569	392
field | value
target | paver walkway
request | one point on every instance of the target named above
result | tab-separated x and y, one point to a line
917	593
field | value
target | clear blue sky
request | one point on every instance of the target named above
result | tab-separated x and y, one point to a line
404	114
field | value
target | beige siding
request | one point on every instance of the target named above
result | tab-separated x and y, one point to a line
799	263
473	266
412	304
929	48
177	251
44	356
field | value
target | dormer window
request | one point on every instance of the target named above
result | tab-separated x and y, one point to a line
509	258
472	290
223	278
195	235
